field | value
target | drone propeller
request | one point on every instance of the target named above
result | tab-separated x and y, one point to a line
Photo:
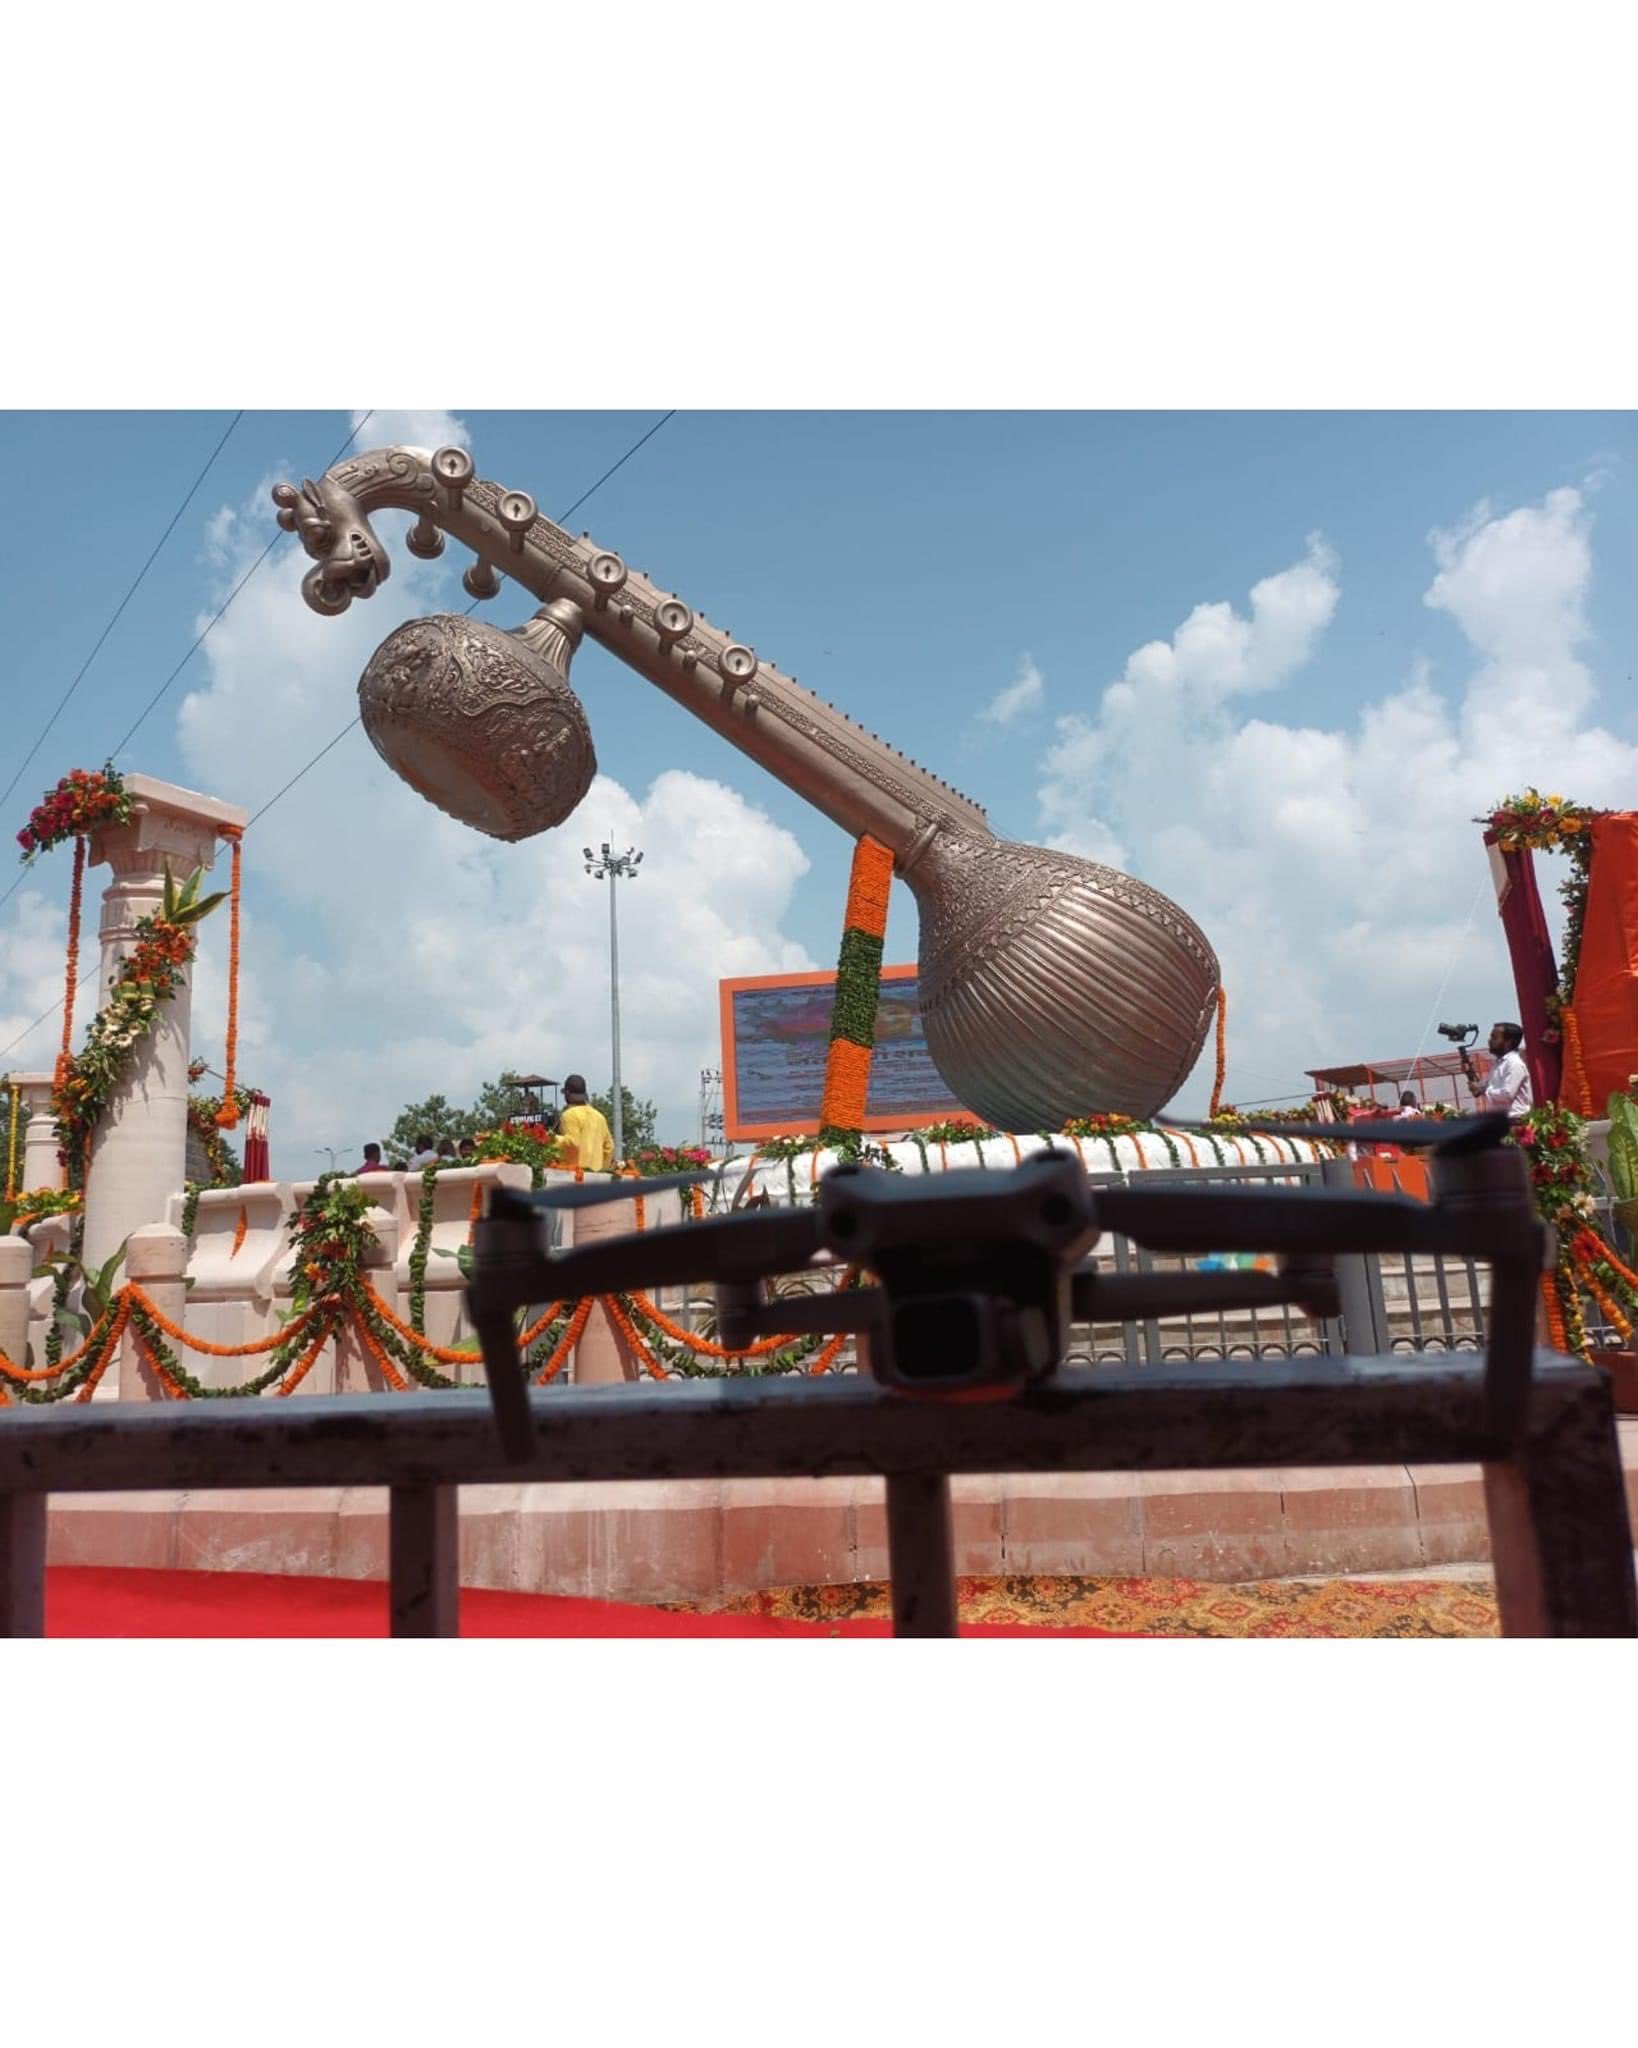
592	1194
1449	1134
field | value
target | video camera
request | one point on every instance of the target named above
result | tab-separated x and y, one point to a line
1462	1035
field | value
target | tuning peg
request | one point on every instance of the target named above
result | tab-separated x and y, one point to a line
424	540
453	469
481	581
672	619
606	574
517	512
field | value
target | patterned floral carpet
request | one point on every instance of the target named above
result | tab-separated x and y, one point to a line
1172	1607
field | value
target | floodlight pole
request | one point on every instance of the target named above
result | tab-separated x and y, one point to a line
616	867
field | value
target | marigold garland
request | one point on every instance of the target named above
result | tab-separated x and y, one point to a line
13	1119
1575	1071
869	887
227	1117
565	1344
1555	1311
847	1084
1222	1050
309	1358
147	978
389	1372
628	1330
24	1375
858	988
122	1315
71	972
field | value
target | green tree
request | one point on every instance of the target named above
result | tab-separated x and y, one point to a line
638	1118
436	1118
497	1102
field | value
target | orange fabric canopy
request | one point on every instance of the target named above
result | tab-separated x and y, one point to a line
1606	980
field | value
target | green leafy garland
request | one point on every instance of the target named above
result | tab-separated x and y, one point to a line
1533	823
678	1359
421	1249
153	971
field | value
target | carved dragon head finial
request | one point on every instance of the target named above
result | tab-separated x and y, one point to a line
333	529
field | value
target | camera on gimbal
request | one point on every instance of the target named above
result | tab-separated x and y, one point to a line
1462	1035
974	1266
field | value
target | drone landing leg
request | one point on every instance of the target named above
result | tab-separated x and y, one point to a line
920	1554
424	1555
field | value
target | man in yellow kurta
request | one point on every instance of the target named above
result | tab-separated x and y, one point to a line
585	1128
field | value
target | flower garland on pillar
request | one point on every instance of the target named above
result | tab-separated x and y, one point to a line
71	974
151	973
1561	1178
13	1118
1533	823
227	1116
1222	1051
858	989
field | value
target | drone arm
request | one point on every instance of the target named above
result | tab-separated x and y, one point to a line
513	1267
1303	1220
1142	1297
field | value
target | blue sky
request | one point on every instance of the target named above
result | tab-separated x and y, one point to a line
912	567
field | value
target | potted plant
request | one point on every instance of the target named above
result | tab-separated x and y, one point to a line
1622	1365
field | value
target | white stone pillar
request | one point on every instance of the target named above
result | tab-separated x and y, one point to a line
139	1150
156	1258
39	1166
16	1265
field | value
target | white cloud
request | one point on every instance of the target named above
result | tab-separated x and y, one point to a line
1024	693
1334	869
392	953
429	430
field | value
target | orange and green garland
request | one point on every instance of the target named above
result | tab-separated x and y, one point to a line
1587	1267
858	989
148	977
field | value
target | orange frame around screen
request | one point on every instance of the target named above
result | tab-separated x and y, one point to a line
736	1131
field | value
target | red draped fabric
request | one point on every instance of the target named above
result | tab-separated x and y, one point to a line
256	1164
1606	980
1535	972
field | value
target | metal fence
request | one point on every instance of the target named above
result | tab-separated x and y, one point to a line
1410	1304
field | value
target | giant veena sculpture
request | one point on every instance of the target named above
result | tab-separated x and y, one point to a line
1049	986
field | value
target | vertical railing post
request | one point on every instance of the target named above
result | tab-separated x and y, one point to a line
16	1267
22	1564
423	1560
1364	1337
156	1258
921	1554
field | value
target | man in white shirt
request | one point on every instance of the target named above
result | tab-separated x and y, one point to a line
1507	1086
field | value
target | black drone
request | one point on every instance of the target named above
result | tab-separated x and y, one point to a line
974	1277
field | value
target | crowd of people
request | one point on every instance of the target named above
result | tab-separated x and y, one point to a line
584	1129
579	1125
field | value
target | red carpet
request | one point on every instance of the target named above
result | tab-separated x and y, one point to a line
110	1600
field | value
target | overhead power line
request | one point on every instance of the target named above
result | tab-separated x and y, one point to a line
472	607
232	594
198	643
62	701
